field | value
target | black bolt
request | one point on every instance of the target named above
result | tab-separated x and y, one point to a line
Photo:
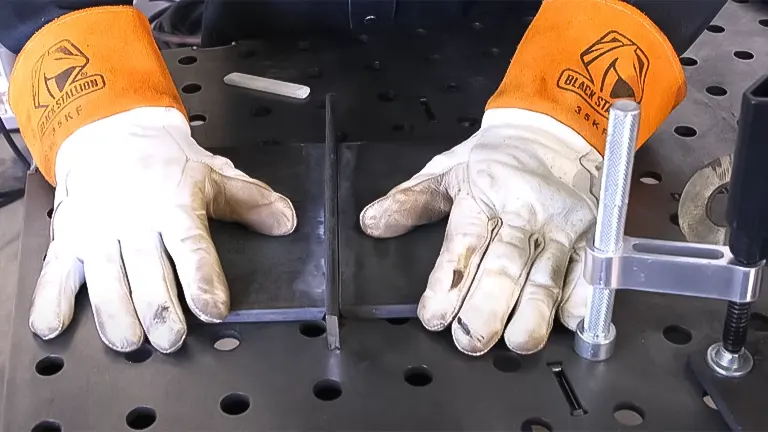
735	328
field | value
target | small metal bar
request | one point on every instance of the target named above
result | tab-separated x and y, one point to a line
332	285
671	267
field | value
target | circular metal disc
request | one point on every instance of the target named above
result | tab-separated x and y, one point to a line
695	222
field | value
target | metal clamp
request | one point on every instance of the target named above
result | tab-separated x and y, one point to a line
670	267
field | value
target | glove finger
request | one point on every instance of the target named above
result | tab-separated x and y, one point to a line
110	296
467	237
427	197
575	291
529	328
53	302
188	240
406	207
153	289
495	290
236	197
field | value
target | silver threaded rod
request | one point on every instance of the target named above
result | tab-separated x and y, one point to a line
596	335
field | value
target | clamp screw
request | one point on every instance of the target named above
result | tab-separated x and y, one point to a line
735	328
729	358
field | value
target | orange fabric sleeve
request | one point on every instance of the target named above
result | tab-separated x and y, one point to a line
83	67
578	56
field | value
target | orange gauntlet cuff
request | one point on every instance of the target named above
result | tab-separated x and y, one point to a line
580	55
83	67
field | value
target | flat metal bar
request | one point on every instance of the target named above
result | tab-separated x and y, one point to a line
331	176
671	267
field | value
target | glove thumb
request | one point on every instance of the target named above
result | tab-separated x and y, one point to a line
427	197
233	196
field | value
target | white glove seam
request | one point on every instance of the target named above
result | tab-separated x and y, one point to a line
493	228
170	282
471	273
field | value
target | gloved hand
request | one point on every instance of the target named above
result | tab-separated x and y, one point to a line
522	191
118	222
133	189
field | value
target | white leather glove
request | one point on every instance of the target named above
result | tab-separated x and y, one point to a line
134	191
521	201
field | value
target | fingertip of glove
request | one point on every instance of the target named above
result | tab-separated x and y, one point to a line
369	219
569	319
467	341
524	344
375	224
45	330
210	309
285	219
170	345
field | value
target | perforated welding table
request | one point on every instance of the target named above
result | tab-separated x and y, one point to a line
401	97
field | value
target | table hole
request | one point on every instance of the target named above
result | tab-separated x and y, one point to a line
763	22
49	365
492	52
264	111
418	376
628	414
397	321
363	38
743	55
716	206
468	122
187	60
370	19
427	108
421	32
677	335
49	213
373	66
477	26
433	57
452	88
402	127
235	404
685	131
327	390
708	401
197	119
227	340
313	329
387	96
245	52
191	88
758	322
650	178
688	61
314	73
715	90
674	219
536	424
139	355
140	418
47	426
714	28
304	46
675	196
507	362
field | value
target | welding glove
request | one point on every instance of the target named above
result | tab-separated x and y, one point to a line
133	189
521	193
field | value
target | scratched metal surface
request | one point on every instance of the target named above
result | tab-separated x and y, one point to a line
390	375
